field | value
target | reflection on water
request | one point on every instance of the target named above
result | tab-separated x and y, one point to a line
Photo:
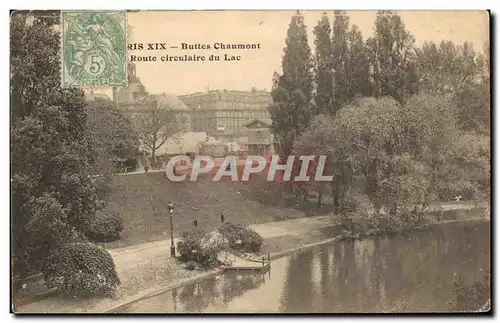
443	269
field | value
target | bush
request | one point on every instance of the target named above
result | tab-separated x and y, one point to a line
104	227
241	238
200	247
80	269
466	189
191	265
129	165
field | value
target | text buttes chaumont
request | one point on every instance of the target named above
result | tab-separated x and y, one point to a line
185	46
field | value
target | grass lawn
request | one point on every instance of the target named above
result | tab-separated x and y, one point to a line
141	200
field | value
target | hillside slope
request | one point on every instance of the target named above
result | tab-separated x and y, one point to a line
142	199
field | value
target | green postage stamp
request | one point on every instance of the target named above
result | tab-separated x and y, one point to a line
94	48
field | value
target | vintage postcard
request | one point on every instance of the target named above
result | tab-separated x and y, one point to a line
250	161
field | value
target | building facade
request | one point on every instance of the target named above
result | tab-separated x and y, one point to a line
260	139
223	114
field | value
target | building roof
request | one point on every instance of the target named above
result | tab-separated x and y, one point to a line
263	123
184	143
252	91
92	96
170	101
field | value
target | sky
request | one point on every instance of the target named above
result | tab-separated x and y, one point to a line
267	28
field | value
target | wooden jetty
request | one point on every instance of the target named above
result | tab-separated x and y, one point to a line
252	265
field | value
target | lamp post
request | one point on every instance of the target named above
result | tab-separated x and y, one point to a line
170	207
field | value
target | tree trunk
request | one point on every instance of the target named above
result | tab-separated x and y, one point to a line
153	157
377	206
394	209
320	197
336	198
305	195
297	198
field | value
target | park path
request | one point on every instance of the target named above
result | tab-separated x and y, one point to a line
130	257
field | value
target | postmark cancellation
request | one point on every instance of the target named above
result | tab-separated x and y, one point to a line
94	49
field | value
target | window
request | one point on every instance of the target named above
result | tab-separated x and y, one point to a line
259	135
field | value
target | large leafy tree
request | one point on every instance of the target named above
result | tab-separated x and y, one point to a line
446	69
291	110
474	108
319	140
400	156
392	58
473	101
430	136
114	132
52	149
324	95
369	130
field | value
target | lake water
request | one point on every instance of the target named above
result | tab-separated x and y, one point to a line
442	269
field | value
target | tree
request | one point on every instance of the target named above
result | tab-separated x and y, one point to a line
156	123
431	133
468	169
445	70
52	149
324	95
458	161
473	101
114	132
291	110
484	63
340	57
474	108
392	58
318	140
357	66
369	132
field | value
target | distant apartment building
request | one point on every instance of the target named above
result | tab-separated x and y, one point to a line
223	114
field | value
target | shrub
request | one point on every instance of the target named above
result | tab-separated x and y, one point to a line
80	269
191	265
200	247
466	189
104	227
241	238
